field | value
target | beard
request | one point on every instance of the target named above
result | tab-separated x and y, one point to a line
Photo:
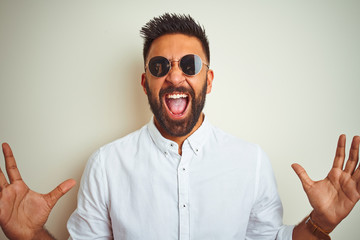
177	128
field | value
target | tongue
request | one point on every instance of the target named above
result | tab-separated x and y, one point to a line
176	106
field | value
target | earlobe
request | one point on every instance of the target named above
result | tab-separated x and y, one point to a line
143	80
210	78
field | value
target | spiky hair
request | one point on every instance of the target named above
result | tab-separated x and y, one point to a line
173	23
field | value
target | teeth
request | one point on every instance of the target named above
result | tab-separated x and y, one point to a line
175	96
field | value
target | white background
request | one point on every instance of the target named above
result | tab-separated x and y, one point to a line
287	76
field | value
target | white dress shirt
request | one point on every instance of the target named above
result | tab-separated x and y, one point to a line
140	188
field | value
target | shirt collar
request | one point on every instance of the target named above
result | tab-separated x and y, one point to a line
195	140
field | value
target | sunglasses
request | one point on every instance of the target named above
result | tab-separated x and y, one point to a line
190	65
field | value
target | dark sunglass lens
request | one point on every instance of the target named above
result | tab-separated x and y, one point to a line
191	64
159	66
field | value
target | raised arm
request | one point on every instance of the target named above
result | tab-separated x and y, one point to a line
24	212
334	197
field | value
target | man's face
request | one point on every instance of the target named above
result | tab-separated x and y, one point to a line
176	99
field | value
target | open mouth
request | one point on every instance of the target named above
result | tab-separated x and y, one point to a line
177	103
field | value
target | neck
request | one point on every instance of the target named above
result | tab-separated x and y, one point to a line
179	140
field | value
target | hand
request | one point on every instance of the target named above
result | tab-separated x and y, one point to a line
24	212
334	197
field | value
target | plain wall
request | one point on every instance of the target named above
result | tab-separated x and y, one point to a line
287	76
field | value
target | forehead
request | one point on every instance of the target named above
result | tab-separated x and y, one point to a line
174	46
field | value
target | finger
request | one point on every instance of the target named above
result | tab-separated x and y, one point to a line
3	181
353	156
356	174
53	196
10	163
340	153
303	176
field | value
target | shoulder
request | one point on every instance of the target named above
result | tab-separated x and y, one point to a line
231	142
130	141
124	146
233	149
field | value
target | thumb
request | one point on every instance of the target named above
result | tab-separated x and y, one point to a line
303	176
53	196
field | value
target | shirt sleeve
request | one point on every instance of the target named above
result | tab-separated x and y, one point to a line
265	221
91	220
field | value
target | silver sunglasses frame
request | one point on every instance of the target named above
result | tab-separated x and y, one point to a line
171	61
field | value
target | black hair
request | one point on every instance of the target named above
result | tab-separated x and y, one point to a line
173	23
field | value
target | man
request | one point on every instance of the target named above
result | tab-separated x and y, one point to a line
179	177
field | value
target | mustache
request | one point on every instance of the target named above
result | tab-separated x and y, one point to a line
172	89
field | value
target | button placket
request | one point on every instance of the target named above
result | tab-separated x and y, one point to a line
184	211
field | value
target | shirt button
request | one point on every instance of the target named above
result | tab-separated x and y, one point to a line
184	206
184	169
197	150
171	144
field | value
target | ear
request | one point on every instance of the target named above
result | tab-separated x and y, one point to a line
143	79
210	78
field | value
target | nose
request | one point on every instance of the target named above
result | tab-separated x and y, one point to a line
175	76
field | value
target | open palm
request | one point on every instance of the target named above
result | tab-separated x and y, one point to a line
23	212
335	196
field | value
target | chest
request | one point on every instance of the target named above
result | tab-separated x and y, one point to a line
193	196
